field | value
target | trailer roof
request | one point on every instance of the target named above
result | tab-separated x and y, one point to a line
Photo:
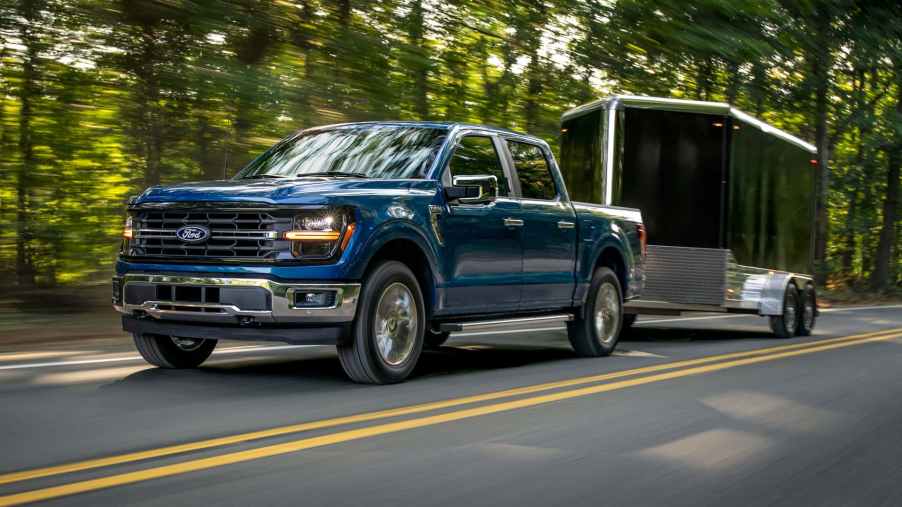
689	106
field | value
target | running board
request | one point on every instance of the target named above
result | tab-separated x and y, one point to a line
496	324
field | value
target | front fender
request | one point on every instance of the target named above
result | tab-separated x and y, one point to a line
392	230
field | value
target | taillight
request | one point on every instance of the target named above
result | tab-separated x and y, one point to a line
643	237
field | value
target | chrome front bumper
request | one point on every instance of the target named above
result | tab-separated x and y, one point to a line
281	296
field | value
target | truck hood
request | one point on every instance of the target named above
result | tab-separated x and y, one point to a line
279	191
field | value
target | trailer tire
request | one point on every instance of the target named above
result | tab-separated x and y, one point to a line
589	336
785	325
173	352
808	314
387	355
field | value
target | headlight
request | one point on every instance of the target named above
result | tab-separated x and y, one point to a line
320	235
127	231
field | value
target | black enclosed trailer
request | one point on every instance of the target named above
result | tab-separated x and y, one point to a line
727	202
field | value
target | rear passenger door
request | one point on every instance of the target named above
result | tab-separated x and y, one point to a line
549	230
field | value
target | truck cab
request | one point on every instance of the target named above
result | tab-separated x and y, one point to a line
380	238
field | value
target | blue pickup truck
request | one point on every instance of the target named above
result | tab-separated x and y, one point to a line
381	239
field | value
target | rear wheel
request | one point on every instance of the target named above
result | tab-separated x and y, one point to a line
173	351
595	330
784	326
809	310
387	335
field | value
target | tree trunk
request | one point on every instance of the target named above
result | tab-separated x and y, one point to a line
25	271
820	68
151	123
531	110
759	82
733	81
881	277
420	67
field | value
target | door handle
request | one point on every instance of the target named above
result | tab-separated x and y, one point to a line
513	222
563	224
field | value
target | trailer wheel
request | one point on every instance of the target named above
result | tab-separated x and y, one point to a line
784	326
172	351
387	335
596	329
808	310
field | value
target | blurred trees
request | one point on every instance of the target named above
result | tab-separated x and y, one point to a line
99	99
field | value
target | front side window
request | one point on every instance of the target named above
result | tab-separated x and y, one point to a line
365	151
476	156
532	168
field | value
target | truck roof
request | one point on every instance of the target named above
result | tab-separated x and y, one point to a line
447	125
689	106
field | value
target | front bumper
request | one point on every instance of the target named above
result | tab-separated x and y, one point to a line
241	301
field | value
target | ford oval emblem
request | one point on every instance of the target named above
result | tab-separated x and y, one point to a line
193	233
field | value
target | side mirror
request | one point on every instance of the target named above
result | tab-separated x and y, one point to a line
472	189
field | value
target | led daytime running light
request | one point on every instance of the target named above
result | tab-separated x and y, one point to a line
313	235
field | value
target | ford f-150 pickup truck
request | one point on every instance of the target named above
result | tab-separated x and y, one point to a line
379	238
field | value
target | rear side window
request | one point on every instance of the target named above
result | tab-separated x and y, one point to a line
532	169
476	156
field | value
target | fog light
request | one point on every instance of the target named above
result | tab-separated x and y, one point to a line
314	299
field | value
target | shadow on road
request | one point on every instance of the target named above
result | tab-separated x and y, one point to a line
685	334
321	371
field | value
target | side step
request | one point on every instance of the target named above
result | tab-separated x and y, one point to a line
503	323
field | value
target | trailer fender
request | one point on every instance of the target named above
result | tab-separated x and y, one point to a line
774	290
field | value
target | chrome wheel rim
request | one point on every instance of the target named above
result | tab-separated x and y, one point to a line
607	313
789	310
187	344
395	324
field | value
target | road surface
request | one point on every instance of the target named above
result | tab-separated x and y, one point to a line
690	411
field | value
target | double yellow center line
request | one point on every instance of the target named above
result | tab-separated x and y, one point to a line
594	384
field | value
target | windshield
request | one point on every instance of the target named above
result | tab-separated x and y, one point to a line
367	151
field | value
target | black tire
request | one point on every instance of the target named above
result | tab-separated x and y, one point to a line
808	313
583	332
784	326
360	356
434	340
165	351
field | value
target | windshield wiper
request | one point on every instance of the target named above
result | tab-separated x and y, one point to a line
340	174
261	176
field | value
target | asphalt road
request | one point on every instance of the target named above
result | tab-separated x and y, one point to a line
698	411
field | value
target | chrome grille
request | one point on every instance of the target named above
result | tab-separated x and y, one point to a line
237	234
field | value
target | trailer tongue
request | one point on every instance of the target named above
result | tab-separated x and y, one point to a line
727	201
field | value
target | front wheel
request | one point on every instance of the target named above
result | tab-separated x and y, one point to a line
387	335
173	351
784	325
595	330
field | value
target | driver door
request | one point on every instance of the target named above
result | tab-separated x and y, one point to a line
483	242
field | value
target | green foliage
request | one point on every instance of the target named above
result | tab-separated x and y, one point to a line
100	99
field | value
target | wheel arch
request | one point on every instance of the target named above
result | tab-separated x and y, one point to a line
405	245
